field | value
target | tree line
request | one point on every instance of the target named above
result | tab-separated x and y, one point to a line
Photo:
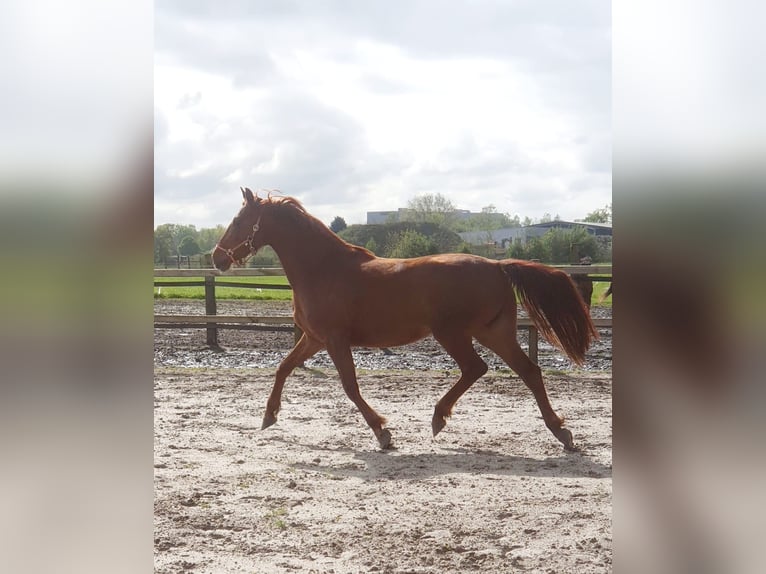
408	239
429	225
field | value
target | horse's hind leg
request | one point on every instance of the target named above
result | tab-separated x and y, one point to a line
503	342
472	367
304	349
340	353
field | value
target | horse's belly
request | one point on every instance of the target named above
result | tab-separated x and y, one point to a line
382	337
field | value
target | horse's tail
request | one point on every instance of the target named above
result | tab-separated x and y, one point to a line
554	305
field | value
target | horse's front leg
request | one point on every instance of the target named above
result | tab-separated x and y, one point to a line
304	349
340	353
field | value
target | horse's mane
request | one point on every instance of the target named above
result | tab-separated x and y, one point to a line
294	209
284	200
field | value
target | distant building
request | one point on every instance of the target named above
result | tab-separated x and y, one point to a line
376	217
501	237
505	237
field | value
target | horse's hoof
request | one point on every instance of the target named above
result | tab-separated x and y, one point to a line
268	420
384	439
565	436
437	424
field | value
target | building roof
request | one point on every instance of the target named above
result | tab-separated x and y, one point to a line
598	229
554	222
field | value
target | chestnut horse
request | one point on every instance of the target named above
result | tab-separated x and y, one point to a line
344	296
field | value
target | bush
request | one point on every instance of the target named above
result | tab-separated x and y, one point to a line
561	246
517	251
266	257
446	241
408	243
372	245
536	248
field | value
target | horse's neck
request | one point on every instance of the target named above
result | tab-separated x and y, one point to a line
305	256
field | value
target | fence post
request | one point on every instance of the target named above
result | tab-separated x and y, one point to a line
533	343
210	309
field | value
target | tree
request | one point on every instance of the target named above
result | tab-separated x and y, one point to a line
536	249
408	244
188	246
266	257
161	249
488	220
209	236
603	215
557	245
338	224
433	208
168	237
372	246
517	251
560	246
569	245
446	241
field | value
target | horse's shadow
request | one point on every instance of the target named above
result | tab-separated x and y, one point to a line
379	465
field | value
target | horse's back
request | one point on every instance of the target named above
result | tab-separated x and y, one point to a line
448	276
412	297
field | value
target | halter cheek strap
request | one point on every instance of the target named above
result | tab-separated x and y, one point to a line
248	242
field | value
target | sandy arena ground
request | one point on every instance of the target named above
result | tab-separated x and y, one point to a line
494	492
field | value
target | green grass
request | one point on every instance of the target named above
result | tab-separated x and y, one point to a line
226	292
599	288
275	518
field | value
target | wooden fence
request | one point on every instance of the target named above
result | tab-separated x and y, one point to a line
212	321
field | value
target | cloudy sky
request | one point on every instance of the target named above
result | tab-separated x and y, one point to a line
360	106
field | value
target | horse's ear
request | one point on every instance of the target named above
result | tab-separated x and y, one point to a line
248	195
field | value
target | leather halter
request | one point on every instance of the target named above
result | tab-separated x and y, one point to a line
248	242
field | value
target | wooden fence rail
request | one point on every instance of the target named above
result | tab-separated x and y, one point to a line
212	321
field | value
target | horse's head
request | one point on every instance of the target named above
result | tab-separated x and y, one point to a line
244	235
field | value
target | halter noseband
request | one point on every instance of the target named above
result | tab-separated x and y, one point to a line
248	242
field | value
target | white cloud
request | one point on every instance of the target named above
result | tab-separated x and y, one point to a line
354	108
